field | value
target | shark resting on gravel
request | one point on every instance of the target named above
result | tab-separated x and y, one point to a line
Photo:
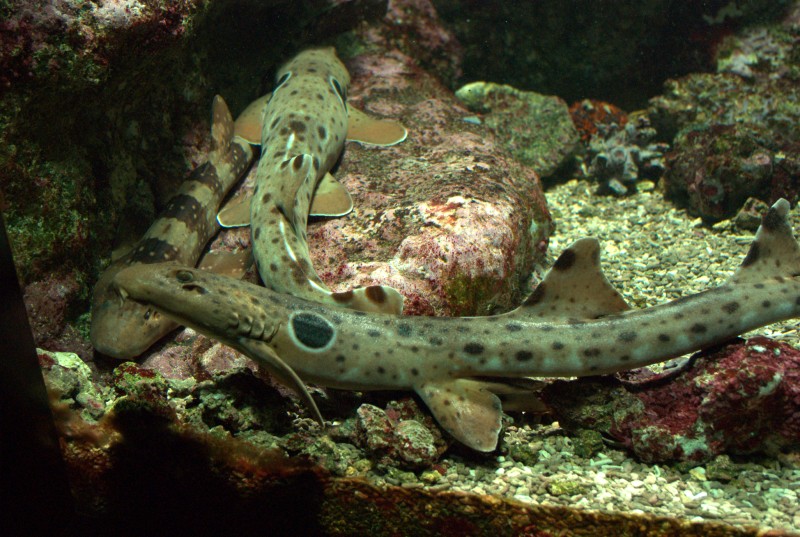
302	127
178	235
573	324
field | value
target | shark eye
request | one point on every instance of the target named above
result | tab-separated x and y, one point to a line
340	90
184	276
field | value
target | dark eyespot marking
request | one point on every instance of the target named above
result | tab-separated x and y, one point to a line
404	329
565	260
513	327
730	307
663	337
752	255
524	356
473	348
311	331
627	337
698	328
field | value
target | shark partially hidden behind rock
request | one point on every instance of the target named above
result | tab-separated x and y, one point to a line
178	235
573	324
302	127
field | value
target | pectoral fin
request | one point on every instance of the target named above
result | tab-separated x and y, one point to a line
331	198
236	212
248	125
265	356
231	264
365	129
465	409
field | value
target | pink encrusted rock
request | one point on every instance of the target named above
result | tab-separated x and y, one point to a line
739	399
447	217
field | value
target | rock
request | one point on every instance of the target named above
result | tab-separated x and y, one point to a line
743	398
536	128
714	169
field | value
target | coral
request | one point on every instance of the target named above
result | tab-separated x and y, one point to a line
714	170
741	399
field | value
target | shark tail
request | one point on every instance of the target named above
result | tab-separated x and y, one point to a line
221	130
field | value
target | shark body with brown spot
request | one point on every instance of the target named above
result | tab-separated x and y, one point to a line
179	235
574	324
304	124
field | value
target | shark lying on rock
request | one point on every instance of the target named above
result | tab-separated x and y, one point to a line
573	324
179	235
302	127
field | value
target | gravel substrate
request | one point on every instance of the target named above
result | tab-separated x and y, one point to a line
652	253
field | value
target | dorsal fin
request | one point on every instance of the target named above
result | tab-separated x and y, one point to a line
774	252
248	124
574	288
221	129
368	130
465	409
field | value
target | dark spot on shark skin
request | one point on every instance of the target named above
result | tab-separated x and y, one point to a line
316	163
592	352
343	297
524	356
473	348
624	358
297	163
415	371
340	358
322	131
766	304
758	285
319	97
730	307
153	250
565	260
513	327
257	233
663	337
273	267
557	345
275	240
374	333
772	221
355	346
266	198
414	348
404	329
375	294
436	341
284	164
183	208
698	328
275	122
381	370
536	296
294	92
752	255
627	336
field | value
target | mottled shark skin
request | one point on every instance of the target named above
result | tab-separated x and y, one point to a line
573	324
304	125
179	235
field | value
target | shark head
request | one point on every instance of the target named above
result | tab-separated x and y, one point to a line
193	291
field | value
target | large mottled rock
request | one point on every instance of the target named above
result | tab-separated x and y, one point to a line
741	399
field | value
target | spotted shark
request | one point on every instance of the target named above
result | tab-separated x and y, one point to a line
573	324
302	127
179	235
